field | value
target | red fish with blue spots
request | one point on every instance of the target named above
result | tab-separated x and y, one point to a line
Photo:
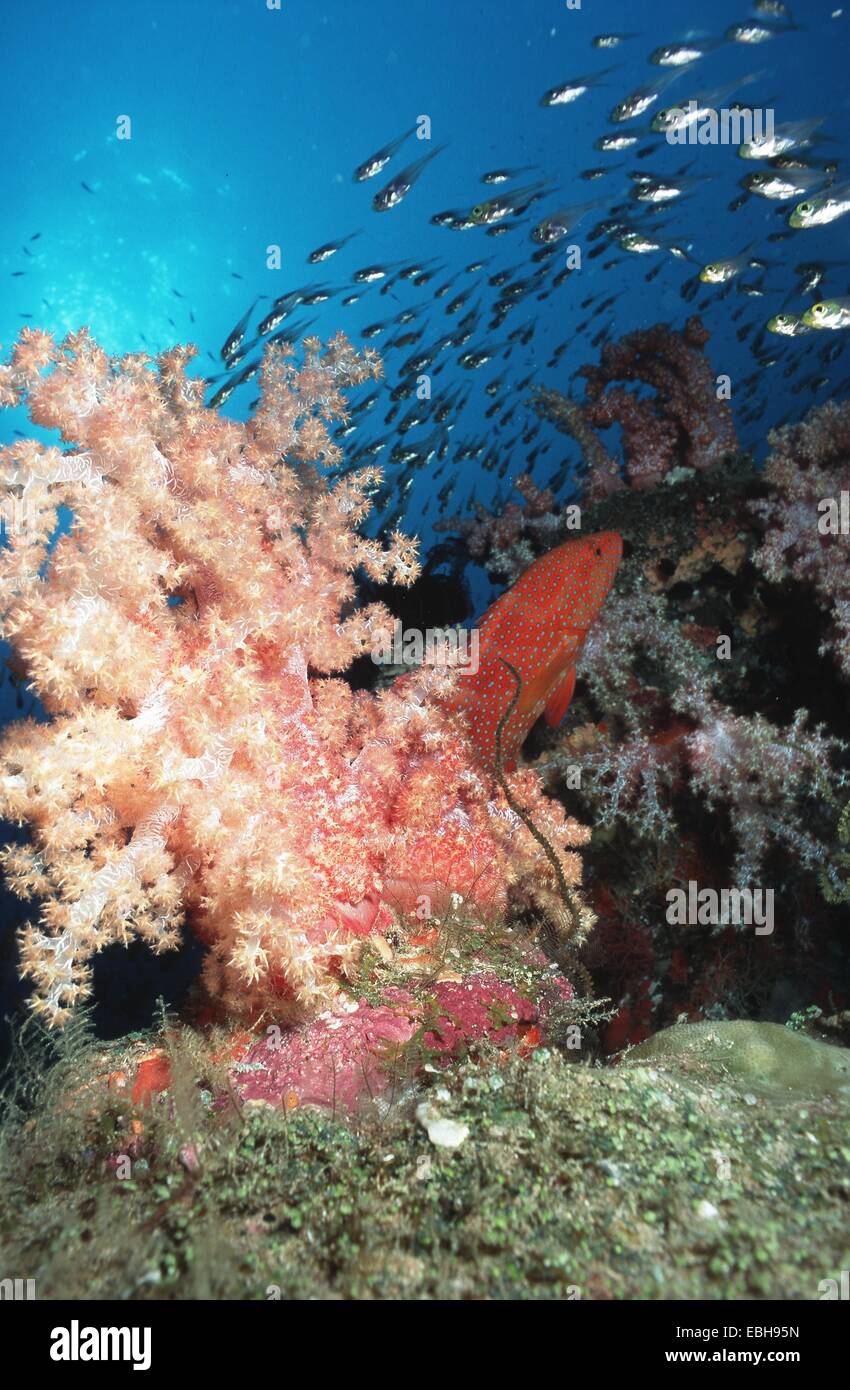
539	626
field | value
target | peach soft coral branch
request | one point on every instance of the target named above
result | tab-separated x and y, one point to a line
206	569
201	761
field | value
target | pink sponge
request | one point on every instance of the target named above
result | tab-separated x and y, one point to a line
344	1060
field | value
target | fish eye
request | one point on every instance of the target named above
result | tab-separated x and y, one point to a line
805	207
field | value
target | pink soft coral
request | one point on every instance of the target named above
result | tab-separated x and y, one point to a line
201	760
810	465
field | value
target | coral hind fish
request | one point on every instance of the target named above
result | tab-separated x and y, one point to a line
539	626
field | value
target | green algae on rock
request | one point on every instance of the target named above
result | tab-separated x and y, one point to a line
767	1056
574	1181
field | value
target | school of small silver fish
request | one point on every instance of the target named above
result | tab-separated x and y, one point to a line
479	313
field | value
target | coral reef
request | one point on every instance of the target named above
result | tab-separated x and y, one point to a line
687	424
651	1181
672	729
809	467
685	781
486	530
708	739
680	435
200	759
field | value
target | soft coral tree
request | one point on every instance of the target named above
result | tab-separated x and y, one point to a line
672	729
201	758
809	466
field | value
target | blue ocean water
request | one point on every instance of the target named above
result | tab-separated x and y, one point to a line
247	121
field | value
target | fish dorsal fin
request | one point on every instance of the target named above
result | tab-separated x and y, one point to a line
559	701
